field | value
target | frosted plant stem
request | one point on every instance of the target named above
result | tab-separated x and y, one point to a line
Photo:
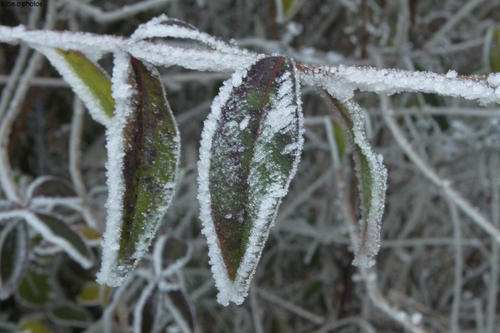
124	12
432	175
457	285
290	307
75	159
450	24
491	311
345	78
368	274
256	310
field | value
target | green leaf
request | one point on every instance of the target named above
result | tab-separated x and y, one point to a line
286	9
144	151
70	314
56	231
494	50
14	256
33	325
250	148
372	181
87	80
34	288
337	139
89	294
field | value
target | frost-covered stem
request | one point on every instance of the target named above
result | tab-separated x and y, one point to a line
457	285
495	213
369	276
126	11
346	78
433	176
463	12
75	158
289	306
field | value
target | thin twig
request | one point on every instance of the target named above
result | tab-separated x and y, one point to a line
457	285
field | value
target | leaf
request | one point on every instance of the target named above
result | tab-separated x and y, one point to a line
250	148
179	305
89	295
87	80
50	186
70	314
56	231
149	314
286	9
372	182
35	288
144	151
494	50
14	256
170	254
33	325
337	139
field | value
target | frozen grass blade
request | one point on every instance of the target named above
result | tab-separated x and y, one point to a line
372	180
87	80
144	150
250	148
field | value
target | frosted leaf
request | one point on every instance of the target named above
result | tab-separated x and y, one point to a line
149	312
181	308
162	26
56	231
86	79
14	256
250	148
143	159
372	182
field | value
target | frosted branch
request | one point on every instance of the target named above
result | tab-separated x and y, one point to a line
343	79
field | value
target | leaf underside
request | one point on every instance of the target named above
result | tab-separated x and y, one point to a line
92	76
372	181
252	155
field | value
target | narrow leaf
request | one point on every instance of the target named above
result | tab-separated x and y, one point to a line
144	149
34	288
170	254
250	148
372	182
70	314
494	50
14	256
87	80
56	231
